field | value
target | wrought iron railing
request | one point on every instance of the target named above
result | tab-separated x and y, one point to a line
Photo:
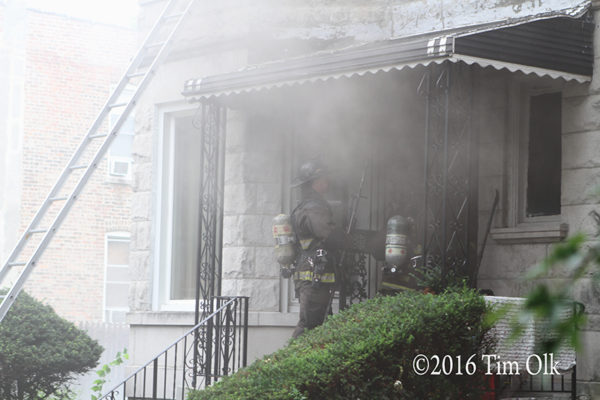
215	347
525	385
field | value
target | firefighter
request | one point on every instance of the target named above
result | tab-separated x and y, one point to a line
318	240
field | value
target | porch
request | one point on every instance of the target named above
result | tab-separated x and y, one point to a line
438	134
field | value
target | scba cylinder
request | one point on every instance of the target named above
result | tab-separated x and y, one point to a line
283	234
396	241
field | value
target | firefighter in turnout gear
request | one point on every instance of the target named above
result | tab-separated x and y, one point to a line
318	240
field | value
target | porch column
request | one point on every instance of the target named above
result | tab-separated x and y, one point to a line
450	171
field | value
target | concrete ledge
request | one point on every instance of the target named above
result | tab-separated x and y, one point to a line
531	233
161	318
186	318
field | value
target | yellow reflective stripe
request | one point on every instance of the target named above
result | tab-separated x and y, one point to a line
303	275
328	277
395	286
305	243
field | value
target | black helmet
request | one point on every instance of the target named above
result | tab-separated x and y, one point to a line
308	172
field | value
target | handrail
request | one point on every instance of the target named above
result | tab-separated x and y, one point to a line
214	342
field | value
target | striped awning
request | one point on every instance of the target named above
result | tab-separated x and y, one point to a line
560	48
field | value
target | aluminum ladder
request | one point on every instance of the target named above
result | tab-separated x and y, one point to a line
89	153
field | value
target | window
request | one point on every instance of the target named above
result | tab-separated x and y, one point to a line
544	156
534	167
179	200
116	277
120	157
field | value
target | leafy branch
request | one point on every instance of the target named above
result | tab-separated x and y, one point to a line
104	371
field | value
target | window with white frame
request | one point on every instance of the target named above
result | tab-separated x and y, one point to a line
179	201
534	166
541	194
120	153
116	277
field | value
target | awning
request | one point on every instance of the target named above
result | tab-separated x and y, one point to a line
555	47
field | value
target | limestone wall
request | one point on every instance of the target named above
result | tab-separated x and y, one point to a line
253	195
514	246
254	176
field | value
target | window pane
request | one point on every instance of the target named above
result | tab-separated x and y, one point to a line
186	202
122	146
544	165
115	316
128	126
117	295
120	274
118	252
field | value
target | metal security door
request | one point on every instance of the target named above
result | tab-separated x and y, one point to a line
210	120
449	226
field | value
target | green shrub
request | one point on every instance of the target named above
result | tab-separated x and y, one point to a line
366	352
40	352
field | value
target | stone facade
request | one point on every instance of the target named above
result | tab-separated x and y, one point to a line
252	198
257	172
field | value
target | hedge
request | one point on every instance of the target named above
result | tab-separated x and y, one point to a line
41	352
367	352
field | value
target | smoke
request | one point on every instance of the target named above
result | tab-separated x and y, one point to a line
375	119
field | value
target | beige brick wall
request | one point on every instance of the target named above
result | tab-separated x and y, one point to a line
70	66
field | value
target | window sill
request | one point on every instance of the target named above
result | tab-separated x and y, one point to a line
186	318
118	180
526	233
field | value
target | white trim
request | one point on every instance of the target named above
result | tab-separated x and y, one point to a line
114	159
524	132
520	228
161	273
526	69
438	57
158	169
116	235
177	305
186	318
531	233
166	289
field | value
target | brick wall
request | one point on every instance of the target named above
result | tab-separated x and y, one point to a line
70	66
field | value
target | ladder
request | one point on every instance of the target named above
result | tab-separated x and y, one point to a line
89	153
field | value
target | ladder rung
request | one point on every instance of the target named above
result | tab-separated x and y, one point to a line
100	135
144	63
157	44
16	264
178	15
136	74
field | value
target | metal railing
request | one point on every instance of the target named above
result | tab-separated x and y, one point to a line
525	385
215	347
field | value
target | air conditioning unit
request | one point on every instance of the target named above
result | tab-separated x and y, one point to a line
119	167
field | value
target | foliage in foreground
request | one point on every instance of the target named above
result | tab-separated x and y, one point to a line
104	371
40	351
367	352
575	260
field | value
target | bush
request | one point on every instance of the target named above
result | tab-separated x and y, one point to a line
366	352
40	351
